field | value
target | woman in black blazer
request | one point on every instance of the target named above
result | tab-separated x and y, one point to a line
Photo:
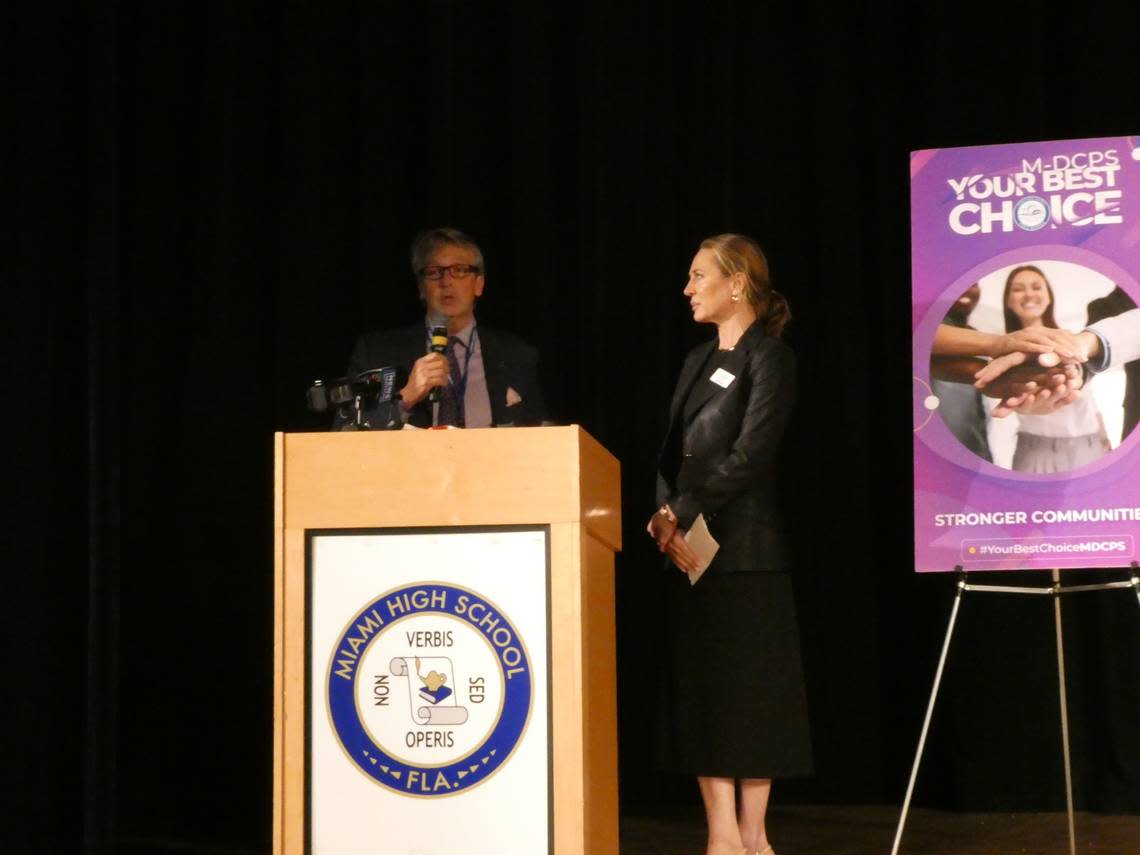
734	707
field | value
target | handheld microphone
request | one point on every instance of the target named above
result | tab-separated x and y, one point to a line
437	343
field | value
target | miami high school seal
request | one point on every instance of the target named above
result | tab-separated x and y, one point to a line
429	689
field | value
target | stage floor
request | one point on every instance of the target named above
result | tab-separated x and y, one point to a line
870	830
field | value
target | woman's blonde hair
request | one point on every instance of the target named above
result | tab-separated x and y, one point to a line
739	254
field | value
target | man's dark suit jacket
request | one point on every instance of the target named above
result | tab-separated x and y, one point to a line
508	363
719	456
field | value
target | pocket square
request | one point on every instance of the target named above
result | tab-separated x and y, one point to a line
513	397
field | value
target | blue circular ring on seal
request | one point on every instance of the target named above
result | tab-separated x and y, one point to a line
1031	213
399	775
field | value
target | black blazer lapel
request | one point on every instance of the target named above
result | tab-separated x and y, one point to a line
696	359
705	390
413	344
669	457
735	363
494	371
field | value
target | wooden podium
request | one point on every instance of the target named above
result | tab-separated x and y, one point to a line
557	483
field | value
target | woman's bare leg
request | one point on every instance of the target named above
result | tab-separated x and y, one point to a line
753	808
719	795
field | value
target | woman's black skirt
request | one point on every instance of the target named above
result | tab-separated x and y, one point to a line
733	702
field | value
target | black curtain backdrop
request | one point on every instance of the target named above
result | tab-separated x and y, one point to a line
211	200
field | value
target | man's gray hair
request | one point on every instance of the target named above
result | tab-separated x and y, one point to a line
429	240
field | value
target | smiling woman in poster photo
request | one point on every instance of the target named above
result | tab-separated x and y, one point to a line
1055	440
733	711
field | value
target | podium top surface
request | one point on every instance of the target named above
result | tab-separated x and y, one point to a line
492	476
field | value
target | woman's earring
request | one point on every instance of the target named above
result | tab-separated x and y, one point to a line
735	297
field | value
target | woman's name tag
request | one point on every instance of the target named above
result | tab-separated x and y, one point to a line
722	378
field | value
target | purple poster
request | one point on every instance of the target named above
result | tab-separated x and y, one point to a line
1026	352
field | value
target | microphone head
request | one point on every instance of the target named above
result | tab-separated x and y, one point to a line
437	335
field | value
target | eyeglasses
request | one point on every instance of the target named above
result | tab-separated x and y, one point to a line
457	271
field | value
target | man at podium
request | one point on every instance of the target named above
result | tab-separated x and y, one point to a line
484	378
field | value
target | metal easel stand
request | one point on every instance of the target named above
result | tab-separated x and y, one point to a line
1055	591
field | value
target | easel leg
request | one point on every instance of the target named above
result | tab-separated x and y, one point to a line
929	715
1064	709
